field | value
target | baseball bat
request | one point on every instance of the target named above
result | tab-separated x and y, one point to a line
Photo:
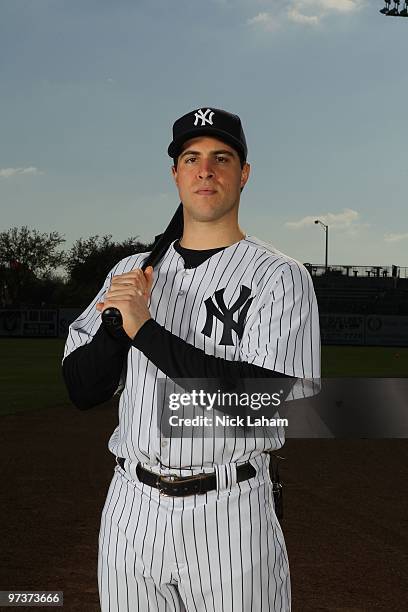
111	317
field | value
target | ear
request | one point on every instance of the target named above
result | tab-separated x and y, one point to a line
174	173
245	174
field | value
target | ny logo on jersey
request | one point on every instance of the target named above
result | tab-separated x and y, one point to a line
203	116
224	314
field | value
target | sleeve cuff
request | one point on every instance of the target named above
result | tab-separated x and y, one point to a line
144	337
118	339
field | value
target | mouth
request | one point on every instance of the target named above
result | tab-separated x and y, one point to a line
206	192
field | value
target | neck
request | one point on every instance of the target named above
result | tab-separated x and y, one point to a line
199	237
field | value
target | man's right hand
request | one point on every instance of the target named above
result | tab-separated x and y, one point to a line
130	293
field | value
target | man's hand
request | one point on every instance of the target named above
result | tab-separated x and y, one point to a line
130	293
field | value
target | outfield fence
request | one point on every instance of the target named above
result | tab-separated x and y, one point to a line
336	328
357	271
364	330
36	323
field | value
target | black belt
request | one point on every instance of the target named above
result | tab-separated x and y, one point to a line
177	486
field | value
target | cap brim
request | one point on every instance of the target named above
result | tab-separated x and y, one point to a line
175	146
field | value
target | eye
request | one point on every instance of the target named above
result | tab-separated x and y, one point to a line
190	159
221	159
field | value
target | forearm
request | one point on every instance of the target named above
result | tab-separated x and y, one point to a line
92	371
178	359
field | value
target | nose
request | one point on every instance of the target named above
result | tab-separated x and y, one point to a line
205	170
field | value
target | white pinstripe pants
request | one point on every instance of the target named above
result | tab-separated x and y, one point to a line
222	551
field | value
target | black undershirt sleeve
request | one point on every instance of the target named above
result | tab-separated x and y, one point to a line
178	359
92	372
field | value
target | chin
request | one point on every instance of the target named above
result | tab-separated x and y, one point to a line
207	210
208	214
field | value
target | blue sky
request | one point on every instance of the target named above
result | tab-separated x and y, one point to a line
89	90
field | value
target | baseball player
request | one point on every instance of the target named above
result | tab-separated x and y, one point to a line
189	522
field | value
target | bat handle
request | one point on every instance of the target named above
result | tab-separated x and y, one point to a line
112	319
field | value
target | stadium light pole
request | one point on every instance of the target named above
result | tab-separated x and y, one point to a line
326	229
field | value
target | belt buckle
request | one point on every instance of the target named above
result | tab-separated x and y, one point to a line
166	478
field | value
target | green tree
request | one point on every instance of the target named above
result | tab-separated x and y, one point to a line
89	261
26	257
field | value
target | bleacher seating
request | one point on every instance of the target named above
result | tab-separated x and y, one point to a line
361	294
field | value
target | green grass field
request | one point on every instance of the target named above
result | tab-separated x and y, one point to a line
30	374
30	370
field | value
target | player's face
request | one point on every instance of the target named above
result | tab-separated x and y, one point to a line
209	179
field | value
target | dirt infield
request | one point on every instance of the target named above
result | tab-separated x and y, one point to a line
345	524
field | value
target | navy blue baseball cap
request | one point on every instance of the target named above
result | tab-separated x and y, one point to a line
209	122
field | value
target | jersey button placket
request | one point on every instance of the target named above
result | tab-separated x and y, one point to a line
185	275
164	449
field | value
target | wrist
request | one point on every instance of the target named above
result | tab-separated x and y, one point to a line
134	330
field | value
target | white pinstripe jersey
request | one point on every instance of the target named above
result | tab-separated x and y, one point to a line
281	333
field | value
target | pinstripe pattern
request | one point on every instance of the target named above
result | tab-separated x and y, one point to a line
219	552
281	333
223	550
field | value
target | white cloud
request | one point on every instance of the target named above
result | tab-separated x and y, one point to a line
10	172
304	12
341	6
266	21
341	220
320	8
395	237
295	15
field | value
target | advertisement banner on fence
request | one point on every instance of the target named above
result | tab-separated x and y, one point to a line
66	317
386	330
11	323
342	329
29	323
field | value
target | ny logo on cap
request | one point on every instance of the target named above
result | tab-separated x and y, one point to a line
203	116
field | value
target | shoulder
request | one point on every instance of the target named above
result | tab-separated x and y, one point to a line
271	263
129	263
